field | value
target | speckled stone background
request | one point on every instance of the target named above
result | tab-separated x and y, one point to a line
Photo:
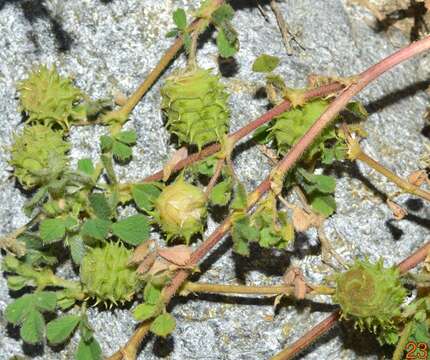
110	46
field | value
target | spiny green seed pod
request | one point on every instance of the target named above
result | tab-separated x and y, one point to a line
291	125
180	210
106	276
38	155
48	98
372	296
195	104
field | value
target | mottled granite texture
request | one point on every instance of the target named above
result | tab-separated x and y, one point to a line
110	46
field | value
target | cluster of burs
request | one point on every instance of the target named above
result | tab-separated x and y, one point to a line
195	104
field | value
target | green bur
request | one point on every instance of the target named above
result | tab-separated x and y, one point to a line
48	98
38	155
106	275
180	210
195	104
371	296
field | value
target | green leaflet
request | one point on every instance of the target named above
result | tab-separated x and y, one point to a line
163	325
152	294
144	195
243	233
33	327
144	312
265	63
221	193
60	329
52	230
133	230
96	228
240	200
180	19
226	48
86	166
88	350
100	205
120	144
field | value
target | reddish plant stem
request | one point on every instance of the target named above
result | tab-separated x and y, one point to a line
215	177
324	326
297	150
246	130
318	330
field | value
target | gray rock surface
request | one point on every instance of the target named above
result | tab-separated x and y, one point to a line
110	46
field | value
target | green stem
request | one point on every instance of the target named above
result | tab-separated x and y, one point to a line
252	290
10	242
400	348
401	183
45	277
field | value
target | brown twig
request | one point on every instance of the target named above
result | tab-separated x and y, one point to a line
297	150
324	326
355	152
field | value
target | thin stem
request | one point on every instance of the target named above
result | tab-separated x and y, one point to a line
401	183
401	345
318	330
9	242
168	56
215	177
192	62
324	326
129	352
252	290
296	151
283	28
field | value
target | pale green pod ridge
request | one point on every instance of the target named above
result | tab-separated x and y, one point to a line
195	104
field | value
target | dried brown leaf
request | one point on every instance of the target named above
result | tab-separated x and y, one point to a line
146	264
398	212
299	288
302	220
418	177
178	255
119	98
141	252
290	275
159	266
179	155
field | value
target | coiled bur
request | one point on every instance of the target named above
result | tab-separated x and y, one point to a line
195	104
371	296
